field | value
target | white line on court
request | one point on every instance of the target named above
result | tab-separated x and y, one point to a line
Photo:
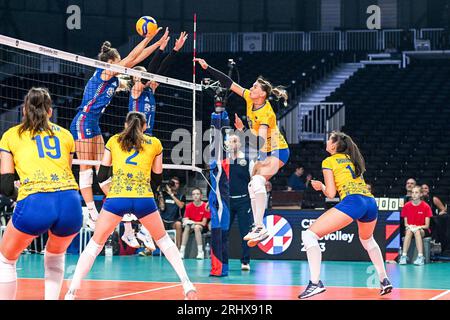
139	292
440	295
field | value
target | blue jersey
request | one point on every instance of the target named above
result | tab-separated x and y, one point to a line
98	94
146	104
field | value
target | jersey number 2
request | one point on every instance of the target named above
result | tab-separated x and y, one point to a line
352	172
53	151
134	155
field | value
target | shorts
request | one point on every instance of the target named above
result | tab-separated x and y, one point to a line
85	126
168	225
140	207
359	207
60	212
281	154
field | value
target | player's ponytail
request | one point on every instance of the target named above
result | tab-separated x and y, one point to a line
133	134
36	108
279	92
346	145
107	52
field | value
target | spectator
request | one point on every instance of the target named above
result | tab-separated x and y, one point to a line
437	207
296	182
417	214
410	184
171	204
195	220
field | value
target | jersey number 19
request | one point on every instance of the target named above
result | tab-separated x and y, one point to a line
52	150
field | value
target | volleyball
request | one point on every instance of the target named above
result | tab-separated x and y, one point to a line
145	25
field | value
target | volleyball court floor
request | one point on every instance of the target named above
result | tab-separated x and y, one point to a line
152	278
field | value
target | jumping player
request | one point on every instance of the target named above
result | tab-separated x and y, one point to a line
273	150
136	161
97	95
142	99
343	172
48	198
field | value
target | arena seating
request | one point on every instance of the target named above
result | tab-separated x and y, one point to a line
399	118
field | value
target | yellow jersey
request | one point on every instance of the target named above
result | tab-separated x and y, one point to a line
344	176
264	116
132	169
42	161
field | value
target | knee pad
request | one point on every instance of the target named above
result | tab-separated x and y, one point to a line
309	239
8	271
93	248
86	178
53	261
165	243
258	184
104	183
369	244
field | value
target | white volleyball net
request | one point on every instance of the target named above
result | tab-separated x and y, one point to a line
24	65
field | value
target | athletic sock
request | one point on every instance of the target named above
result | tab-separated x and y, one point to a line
54	274
373	249
259	189
170	251
85	263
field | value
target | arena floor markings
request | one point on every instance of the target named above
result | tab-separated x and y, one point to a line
151	278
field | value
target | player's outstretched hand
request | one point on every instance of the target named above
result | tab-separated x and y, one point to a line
202	63
179	43
164	40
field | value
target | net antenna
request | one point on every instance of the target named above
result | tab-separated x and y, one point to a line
175	92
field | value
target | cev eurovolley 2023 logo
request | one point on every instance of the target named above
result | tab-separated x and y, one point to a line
280	237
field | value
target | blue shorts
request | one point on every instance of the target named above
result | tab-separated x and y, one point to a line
359	207
282	154
85	126
60	212
140	207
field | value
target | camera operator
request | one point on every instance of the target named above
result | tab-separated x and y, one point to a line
171	204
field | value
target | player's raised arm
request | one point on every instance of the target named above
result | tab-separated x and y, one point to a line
225	80
133	57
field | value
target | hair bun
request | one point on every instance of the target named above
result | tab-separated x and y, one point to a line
106	46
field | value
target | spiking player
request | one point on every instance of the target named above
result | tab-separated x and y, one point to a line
273	150
142	99
97	95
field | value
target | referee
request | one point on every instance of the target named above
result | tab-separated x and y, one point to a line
239	198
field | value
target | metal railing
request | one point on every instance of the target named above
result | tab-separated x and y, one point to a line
336	121
325	41
289	41
434	35
312	120
362	40
393	38
351	40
